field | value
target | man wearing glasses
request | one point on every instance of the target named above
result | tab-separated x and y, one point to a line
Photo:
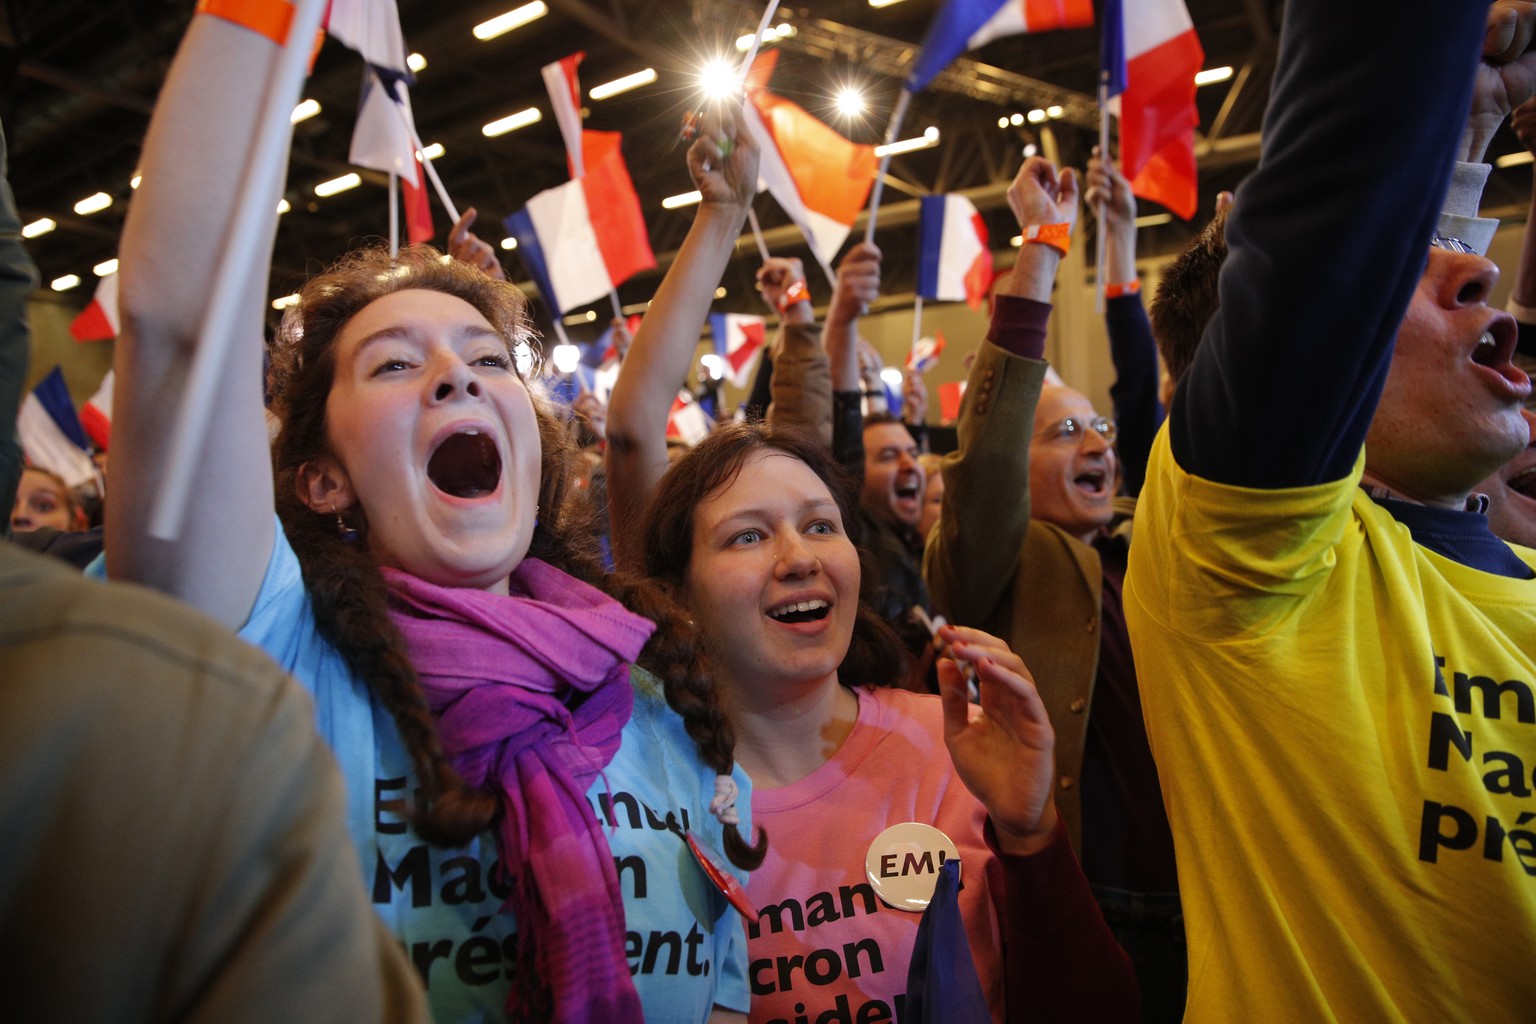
1032	546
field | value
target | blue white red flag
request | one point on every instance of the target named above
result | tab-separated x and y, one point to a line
687	422
99	320
372	28
96	414
581	240
50	432
565	101
739	340
963	25
925	353
384	141
954	262
1150	55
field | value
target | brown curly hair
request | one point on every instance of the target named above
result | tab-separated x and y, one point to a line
347	591
876	656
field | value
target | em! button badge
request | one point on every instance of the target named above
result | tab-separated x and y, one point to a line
903	864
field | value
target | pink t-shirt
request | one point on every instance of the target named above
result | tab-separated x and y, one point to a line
825	948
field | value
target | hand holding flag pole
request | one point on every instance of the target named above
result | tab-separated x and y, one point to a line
243	242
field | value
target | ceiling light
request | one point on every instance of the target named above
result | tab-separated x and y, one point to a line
515	18
283	207
891	376
284	301
304	111
93	204
1210	76
432	152
883	3
927	140
566	357
618	85
1153	220
1016	241
1015	119
1002	122
1030	149
1508	160
512	122
1036	116
784	30
686	199
335	185
509	243
717	79
41	226
133	182
850	101
105	267
1054	111
65	283
720	292
417	63
713	364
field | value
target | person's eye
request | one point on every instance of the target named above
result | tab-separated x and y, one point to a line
390	366
823	527
44	505
746	537
499	360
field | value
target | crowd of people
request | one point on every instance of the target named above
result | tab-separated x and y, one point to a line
458	704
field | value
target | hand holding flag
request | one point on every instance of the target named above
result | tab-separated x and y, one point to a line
467	247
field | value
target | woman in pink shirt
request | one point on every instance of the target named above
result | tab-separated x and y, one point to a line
752	528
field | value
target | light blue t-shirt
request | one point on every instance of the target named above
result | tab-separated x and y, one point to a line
686	945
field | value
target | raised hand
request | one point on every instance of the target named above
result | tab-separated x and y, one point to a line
1003	750
1506	76
858	284
467	247
723	159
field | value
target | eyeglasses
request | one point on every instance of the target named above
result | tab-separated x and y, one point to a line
1452	245
1074	430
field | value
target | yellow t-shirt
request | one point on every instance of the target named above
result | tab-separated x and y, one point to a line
1344	724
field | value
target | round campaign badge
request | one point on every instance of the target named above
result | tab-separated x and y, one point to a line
903	864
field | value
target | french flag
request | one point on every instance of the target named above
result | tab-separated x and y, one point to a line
925	353
954	262
963	25
1151	54
821	179
372	28
99	320
565	101
96	414
583	239
50	431
383	140
686	421
738	341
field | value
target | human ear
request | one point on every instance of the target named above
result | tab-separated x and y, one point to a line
323	485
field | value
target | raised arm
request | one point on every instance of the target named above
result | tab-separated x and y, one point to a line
800	386
858	285
1325	252
723	162
986	480
201	139
1131	349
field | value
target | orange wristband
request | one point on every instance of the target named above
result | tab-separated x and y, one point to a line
796	292
1057	236
1114	291
271	18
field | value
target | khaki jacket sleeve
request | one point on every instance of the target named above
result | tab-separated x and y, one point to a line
801	386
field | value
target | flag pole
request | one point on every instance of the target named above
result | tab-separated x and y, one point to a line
757	233
426	165
917	318
394	215
618	310
757	42
898	115
251	222
1100	255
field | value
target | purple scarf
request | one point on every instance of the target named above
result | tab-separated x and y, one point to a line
530	693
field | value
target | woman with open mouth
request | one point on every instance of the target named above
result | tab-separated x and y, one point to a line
521	806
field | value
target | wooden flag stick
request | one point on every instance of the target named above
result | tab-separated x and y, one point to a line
1100	254
244	238
394	215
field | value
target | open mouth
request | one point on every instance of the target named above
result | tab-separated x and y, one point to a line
800	611
465	465
1524	482
1091	482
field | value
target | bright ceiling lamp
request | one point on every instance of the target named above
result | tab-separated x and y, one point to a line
618	85
515	18
41	226
927	140
93	204
304	111
335	185
685	199
512	122
1210	76
105	267
65	283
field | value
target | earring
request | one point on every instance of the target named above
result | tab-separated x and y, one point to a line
347	533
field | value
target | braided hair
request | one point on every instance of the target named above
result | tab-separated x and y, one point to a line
347	591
